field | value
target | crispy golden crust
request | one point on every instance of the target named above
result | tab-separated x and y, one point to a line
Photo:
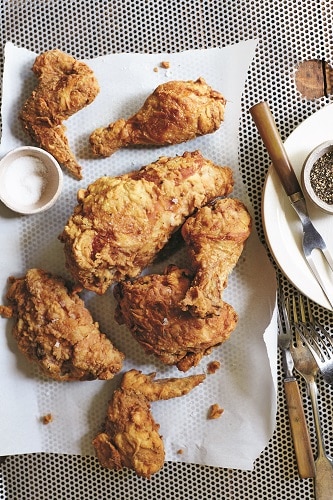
6	311
215	237
122	222
175	112
149	307
55	330
65	86
130	437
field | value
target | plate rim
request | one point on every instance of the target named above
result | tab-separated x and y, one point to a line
274	199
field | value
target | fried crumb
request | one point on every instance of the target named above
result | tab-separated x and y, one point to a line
215	411
180	452
155	69
47	419
213	366
165	64
6	311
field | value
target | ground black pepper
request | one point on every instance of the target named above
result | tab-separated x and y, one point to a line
321	177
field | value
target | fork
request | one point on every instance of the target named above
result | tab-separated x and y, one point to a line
307	367
312	240
298	424
320	343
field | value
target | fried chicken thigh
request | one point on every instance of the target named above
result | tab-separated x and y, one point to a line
130	437
122	222
55	330
65	86
215	238
150	307
175	112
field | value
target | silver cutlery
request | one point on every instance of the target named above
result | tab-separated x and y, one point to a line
312	240
320	343
307	367
298	425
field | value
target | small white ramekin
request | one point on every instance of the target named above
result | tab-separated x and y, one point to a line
31	180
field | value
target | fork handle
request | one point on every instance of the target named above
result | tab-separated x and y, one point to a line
299	430
269	133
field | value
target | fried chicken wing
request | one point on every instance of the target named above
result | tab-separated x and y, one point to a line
150	307
122	222
130	437
215	238
54	329
175	112
65	86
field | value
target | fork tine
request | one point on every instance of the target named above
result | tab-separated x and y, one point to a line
310	315
328	257
327	337
284	304
294	311
322	347
302	308
318	277
319	342
279	321
296	321
307	338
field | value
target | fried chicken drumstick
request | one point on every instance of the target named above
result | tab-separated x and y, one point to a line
122	222
55	330
175	112
65	86
150	306
130	437
215	237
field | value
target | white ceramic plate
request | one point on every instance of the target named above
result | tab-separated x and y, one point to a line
283	229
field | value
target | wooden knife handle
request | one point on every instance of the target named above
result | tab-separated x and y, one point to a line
269	133
299	430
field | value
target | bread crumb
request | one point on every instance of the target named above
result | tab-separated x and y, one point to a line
180	452
155	69
165	64
47	419
215	411
213	366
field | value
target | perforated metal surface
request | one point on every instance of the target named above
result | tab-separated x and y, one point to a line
289	31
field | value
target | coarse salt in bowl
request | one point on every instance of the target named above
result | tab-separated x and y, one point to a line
30	180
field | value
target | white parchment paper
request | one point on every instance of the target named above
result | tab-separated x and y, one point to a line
245	385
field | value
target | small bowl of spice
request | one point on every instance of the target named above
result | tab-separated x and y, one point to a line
317	176
30	180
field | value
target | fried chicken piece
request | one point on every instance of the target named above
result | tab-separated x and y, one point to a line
130	437
215	238
55	330
175	112
122	222
150	307
65	86
215	411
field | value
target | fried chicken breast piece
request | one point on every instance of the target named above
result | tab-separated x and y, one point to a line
54	329
150	307
215	237
130	437
65	86
121	223
175	112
